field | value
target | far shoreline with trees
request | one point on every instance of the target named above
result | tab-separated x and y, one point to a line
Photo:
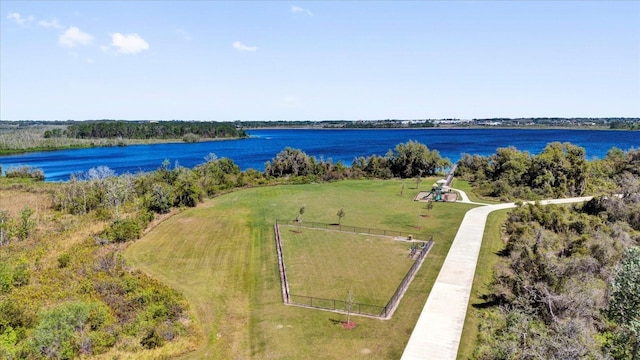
32	135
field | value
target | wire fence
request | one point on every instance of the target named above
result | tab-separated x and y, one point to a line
337	305
393	302
349	228
342	305
283	271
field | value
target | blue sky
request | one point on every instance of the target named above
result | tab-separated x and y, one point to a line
224	61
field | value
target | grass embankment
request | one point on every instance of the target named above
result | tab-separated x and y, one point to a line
328	264
222	256
492	244
469	190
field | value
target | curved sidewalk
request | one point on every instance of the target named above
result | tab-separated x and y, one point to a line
439	327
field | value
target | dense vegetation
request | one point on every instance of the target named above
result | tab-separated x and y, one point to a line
149	130
560	170
566	285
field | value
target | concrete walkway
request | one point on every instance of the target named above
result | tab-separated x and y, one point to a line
439	327
464	198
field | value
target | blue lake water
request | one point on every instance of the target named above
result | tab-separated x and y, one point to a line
338	145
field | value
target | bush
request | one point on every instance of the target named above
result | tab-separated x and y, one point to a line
6	278
190	138
26	172
124	230
64	260
152	340
61	332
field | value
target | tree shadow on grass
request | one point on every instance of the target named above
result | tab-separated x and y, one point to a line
503	253
489	302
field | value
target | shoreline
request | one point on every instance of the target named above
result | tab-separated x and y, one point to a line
109	143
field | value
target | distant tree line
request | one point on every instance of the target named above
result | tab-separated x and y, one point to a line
147	130
625	124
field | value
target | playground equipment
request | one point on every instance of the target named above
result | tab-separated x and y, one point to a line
440	192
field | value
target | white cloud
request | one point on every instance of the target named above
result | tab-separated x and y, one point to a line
129	43
19	19
242	47
50	24
297	9
73	36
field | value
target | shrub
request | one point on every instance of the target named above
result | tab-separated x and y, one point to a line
26	172
6	278
124	230
152	340
62	331
64	260
190	138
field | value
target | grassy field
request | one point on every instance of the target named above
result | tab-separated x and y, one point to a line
328	264
492	244
468	189
221	255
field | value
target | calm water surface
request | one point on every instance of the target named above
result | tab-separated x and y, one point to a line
338	145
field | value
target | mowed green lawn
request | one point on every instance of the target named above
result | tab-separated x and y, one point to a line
222	256
328	264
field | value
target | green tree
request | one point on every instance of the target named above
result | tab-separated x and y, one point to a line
340	215
624	302
413	159
299	216
160	199
187	188
290	162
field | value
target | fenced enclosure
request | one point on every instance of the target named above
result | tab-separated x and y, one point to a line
349	228
341	306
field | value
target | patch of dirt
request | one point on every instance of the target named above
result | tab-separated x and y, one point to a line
349	325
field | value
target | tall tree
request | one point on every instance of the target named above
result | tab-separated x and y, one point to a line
413	158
